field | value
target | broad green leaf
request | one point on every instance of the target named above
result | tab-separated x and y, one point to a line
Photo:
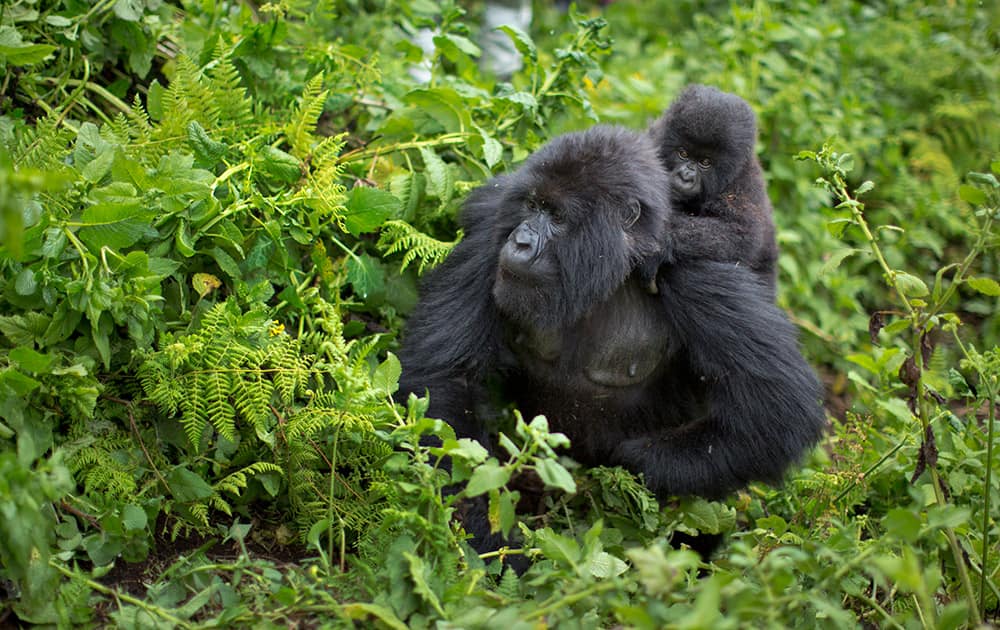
386	377
522	41
444	105
454	47
368	208
986	286
492	149
134	517
910	285
280	165
365	275
902	524
30	360
556	547
186	486
129	10
836	258
15	52
486	477
205	149
96	169
555	475
971	194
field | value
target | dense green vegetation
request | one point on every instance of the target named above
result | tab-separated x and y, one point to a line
213	216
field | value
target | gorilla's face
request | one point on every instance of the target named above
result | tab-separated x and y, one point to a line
705	139
573	223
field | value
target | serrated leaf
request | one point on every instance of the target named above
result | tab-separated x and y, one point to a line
386	377
440	181
492	149
522	41
604	565
556	547
488	476
205	149
865	186
368	208
836	258
365	276
453	47
95	170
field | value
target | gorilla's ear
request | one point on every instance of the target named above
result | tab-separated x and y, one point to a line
631	213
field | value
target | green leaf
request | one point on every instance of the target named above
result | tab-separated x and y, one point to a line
279	165
205	149
910	285
96	169
454	47
129	10
134	518
366	276
486	477
15	52
902	524
522	41
492	149
187	486
30	360
368	208
555	475
386	377
986	286
562	549
836	258
418	573
115	224
444	105
971	194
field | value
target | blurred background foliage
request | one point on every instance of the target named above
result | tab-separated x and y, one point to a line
213	217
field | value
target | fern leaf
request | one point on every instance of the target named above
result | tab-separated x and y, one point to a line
400	236
300	130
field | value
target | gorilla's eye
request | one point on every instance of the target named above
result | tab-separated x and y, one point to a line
683	153
705	162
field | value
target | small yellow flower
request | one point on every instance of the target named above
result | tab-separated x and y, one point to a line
277	328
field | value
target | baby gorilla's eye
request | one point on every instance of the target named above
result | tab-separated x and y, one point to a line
705	162
683	153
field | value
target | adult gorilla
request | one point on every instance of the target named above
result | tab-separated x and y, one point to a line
700	387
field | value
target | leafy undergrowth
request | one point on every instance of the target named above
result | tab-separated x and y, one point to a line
212	221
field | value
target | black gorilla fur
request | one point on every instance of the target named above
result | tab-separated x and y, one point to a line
722	212
700	387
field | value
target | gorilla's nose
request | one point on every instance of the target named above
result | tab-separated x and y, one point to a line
525	241
521	249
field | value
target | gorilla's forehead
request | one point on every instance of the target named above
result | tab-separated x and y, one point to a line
602	164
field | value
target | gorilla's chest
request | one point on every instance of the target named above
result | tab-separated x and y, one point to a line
620	343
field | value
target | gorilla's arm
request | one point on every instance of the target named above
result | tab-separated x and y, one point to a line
763	400
453	335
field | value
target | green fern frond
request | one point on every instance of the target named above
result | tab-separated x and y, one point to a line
234	108
300	130
399	236
221	413
236	482
43	146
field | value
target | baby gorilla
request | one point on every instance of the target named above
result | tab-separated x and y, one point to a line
706	140
700	387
